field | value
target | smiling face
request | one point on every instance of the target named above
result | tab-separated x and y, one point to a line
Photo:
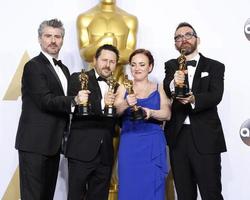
51	40
105	63
186	39
140	67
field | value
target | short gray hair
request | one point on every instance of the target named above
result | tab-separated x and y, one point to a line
55	23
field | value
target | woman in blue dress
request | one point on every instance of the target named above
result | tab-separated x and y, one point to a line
142	159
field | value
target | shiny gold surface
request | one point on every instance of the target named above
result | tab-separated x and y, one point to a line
128	84
182	60
13	192
107	24
14	89
182	65
84	79
111	81
170	193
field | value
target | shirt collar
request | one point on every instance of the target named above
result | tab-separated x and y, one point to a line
196	58
49	57
96	74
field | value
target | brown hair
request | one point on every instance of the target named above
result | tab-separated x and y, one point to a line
107	47
184	24
146	53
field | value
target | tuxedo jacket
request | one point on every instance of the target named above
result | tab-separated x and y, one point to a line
45	108
207	87
92	134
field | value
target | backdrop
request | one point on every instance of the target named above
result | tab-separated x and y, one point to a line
223	27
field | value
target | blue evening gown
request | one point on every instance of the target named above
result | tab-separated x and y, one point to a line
142	159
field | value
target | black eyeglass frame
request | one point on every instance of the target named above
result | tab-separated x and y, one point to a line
186	36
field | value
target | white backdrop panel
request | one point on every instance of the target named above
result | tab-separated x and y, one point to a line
220	24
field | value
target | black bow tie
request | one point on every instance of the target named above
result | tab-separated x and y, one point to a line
191	63
101	79
58	62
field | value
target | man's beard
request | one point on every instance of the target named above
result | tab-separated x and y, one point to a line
106	72
189	48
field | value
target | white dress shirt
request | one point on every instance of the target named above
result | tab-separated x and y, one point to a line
104	88
191	73
59	73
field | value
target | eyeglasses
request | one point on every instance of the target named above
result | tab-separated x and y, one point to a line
186	36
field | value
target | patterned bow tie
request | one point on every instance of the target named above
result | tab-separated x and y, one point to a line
101	79
58	62
191	63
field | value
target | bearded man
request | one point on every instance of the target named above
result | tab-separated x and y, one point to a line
194	133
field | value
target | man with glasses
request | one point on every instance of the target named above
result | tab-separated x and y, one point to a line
194	133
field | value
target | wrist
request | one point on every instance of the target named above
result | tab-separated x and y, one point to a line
151	112
126	103
192	99
174	82
74	101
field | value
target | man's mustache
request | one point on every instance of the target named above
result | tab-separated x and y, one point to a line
185	43
53	45
106	68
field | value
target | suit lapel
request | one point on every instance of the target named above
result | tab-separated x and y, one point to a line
197	76
65	71
51	68
94	83
94	86
175	65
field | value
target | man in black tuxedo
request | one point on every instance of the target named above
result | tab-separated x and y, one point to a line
194	133
90	147
44	116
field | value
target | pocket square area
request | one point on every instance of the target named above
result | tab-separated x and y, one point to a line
204	74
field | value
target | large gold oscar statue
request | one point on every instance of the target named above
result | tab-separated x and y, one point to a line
107	24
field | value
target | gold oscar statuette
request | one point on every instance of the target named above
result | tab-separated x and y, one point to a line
83	109
137	112
182	90
109	110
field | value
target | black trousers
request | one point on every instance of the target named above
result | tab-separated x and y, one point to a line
89	180
191	169
38	175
